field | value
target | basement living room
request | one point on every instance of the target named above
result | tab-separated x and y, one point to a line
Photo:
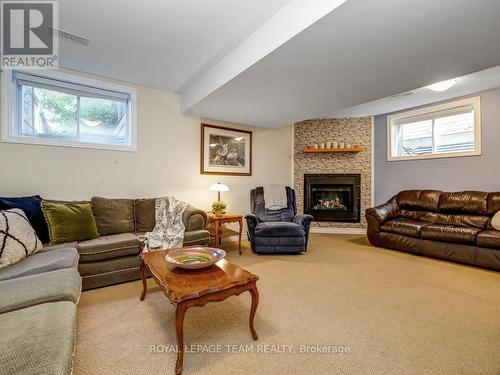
250	187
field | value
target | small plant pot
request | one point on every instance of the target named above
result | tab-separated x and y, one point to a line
218	213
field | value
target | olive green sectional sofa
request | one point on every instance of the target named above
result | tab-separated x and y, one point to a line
113	257
38	313
38	295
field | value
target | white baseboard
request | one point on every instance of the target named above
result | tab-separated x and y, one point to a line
338	230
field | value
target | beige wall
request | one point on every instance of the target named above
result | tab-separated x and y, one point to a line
167	162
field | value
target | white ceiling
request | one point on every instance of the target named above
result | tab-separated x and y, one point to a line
269	62
158	43
473	83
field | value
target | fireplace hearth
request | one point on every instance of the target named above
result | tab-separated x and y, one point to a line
333	197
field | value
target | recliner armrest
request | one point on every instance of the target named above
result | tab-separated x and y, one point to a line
384	212
252	221
194	219
303	219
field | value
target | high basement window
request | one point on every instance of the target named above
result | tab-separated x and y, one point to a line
447	130
64	110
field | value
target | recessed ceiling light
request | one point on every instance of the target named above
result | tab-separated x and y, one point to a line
443	86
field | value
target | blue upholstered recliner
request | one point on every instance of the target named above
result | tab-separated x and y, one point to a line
277	231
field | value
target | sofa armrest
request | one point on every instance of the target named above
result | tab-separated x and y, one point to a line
194	219
384	212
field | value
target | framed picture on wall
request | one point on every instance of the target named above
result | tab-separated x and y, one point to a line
225	151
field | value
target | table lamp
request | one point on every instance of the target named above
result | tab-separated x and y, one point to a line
218	187
218	207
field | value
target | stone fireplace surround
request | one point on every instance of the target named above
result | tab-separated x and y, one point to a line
356	131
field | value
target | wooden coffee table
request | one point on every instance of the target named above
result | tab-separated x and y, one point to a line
186	288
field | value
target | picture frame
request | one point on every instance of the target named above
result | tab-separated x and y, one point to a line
225	151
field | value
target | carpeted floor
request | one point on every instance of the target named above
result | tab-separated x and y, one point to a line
397	313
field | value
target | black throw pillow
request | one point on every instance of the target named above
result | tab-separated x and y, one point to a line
32	207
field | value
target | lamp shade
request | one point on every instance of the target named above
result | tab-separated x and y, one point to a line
218	187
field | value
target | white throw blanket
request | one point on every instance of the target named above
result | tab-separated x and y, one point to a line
275	197
169	229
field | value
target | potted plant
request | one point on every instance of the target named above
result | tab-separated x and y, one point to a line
218	208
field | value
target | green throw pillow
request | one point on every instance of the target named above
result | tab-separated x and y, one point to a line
69	221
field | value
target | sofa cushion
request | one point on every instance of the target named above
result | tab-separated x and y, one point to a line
113	216
144	214
489	238
196	237
32	207
109	266
406	227
108	247
60	285
279	229
110	271
45	261
425	216
420	200
18	239
69	221
475	221
38	340
449	233
464	202
48	247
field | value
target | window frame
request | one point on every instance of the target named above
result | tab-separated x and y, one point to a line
475	102
9	110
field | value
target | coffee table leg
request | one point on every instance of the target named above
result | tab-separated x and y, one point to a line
143	278
255	302
179	329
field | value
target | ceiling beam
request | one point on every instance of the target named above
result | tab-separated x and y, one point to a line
292	19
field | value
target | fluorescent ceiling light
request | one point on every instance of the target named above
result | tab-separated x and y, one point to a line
443	86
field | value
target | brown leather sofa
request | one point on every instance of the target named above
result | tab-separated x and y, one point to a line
451	226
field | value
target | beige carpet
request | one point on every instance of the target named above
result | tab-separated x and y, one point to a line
398	314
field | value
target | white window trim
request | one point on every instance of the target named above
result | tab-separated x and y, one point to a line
475	102
8	113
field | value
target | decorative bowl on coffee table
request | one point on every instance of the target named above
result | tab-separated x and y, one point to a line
195	257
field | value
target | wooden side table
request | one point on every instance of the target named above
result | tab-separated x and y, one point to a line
218	230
